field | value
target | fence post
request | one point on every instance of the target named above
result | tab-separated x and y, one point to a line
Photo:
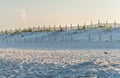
110	37
2	39
15	30
15	39
35	38
66	27
71	37
30	39
38	28
98	22
29	28
106	23
78	27
100	38
19	29
33	28
71	26
49	38
84	25
6	31
115	24
49	28
62	38
60	28
10	31
89	37
54	28
44	28
91	24
2	31
20	39
55	38
5	39
42	39
23	39
24	29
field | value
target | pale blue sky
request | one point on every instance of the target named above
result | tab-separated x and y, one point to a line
49	12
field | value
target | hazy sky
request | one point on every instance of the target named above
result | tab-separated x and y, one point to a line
54	12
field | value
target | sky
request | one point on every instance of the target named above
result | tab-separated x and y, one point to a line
25	13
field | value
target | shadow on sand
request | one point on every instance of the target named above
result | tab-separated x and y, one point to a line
36	70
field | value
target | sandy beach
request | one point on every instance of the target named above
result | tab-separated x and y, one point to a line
19	63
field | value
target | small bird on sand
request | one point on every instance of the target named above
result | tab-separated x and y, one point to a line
105	52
